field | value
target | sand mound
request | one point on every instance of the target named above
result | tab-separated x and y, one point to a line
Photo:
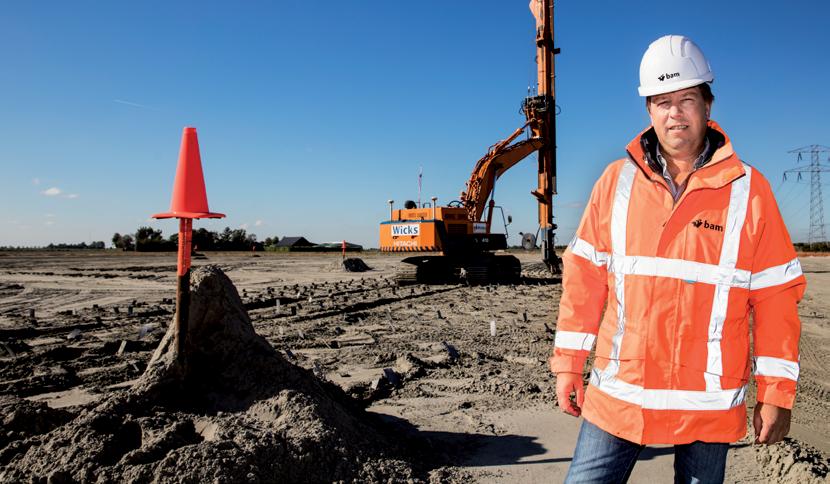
24	419
352	264
236	411
793	462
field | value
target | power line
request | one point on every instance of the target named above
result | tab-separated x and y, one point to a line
785	198
817	233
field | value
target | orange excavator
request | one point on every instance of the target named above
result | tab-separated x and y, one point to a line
460	231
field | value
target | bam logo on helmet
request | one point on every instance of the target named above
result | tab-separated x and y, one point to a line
672	61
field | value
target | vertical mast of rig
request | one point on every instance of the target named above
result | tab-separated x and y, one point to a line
541	112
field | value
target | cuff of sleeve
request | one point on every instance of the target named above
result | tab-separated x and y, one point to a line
561	363
781	394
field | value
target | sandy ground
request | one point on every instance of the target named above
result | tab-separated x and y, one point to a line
98	316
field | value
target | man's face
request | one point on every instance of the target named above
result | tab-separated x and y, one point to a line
679	118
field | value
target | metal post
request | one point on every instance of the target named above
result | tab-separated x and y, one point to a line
546	52
434	203
391	209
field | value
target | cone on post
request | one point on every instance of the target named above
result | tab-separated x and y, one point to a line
189	201
189	196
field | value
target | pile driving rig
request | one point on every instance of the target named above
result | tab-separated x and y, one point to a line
459	231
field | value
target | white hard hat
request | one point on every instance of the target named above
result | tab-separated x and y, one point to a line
672	63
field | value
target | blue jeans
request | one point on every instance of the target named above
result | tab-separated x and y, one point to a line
604	458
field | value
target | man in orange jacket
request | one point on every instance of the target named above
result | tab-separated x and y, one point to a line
680	242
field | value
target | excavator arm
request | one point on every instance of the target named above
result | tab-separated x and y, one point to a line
499	158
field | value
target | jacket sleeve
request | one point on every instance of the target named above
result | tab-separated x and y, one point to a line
776	286
584	289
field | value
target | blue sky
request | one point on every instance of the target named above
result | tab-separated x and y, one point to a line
312	114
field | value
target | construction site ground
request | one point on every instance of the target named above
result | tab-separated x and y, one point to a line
464	368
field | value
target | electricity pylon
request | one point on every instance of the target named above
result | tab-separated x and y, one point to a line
815	169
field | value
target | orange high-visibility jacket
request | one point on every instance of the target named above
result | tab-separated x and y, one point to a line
678	282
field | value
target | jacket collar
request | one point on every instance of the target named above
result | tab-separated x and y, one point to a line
721	168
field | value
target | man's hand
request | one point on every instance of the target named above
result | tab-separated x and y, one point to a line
771	423
567	384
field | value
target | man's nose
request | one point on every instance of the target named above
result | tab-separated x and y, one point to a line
674	110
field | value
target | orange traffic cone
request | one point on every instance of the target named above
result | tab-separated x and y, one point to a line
189	195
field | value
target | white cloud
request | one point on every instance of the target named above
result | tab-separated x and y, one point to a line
258	223
244	226
35	181
49	222
57	192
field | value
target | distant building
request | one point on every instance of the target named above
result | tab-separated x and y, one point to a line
338	246
295	243
301	244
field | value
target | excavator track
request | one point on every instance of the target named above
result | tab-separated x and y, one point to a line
506	269
424	270
477	275
500	269
406	274
478	271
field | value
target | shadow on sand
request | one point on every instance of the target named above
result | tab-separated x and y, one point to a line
473	450
484	450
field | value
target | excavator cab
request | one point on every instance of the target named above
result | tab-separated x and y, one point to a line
452	248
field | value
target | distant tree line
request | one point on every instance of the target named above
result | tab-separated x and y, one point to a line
82	245
61	246
148	239
814	247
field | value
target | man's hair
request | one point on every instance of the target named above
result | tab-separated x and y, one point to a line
705	92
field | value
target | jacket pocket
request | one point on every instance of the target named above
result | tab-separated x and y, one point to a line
726	356
632	342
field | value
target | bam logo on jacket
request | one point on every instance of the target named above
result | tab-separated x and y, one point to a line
706	225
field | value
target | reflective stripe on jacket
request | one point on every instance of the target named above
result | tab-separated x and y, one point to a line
677	282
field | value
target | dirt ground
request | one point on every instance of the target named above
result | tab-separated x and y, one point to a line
460	370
